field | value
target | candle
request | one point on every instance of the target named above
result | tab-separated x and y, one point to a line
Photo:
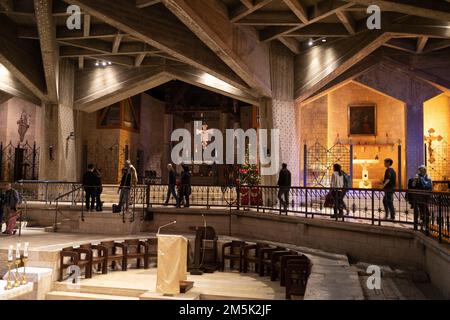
25	250
10	253
18	250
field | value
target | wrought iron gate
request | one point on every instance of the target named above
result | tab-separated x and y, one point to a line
19	161
320	161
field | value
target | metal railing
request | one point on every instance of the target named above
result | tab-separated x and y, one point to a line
428	212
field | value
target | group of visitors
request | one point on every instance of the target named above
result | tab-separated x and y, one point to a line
184	190
341	182
9	212
92	184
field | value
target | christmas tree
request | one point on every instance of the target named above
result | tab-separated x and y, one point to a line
249	173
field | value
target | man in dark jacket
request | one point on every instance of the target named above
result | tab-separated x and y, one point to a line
389	183
90	183
185	185
423	184
128	181
172	184
284	183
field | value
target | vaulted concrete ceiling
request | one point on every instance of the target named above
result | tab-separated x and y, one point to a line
223	45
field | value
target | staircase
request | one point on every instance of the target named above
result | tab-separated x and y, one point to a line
63	291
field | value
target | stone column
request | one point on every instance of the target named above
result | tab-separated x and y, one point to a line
166	158
279	112
58	158
414	137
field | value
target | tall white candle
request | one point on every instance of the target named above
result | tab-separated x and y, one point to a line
18	250
25	249
10	253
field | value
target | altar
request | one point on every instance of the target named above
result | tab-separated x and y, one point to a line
14	293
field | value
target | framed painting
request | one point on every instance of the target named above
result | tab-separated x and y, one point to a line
362	120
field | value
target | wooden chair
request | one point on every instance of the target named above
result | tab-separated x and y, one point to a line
235	253
297	273
251	255
275	264
75	257
112	255
152	249
265	261
98	257
283	265
137	249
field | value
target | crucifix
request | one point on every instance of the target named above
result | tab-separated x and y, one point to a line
429	140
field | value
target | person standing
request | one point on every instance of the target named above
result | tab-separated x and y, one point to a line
423	184
284	184
129	180
90	184
185	186
172	185
11	202
389	183
338	185
98	191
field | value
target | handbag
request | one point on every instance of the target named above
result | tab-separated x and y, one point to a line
329	200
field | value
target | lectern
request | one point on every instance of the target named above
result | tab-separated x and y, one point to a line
172	264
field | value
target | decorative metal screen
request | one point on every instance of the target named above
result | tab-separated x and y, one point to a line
437	163
320	161
19	161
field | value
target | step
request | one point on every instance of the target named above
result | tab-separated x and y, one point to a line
65	295
92	289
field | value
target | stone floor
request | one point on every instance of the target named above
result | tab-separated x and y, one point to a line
398	284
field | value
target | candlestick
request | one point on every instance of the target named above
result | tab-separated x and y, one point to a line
9	285
16	274
24	274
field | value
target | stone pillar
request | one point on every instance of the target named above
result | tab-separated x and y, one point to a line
58	158
166	158
414	137
279	112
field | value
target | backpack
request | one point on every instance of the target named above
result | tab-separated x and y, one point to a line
347	180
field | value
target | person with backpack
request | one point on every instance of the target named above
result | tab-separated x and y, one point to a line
339	185
129	180
423	184
11	202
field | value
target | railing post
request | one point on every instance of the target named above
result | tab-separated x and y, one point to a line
82	204
238	199
46	192
373	207
55	229
440	218
257	197
33	165
207	197
306	204
1	161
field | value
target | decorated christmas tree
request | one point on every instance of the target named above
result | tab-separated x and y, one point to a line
249	173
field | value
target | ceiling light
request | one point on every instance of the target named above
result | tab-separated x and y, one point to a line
97	63
104	63
109	63
310	43
324	40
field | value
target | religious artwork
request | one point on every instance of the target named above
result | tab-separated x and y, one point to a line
23	125
429	141
362	120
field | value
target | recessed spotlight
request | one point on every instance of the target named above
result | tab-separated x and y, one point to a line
324	40
104	63
109	63
310	43
96	63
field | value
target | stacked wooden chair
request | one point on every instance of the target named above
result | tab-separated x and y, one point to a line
234	254
108	254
